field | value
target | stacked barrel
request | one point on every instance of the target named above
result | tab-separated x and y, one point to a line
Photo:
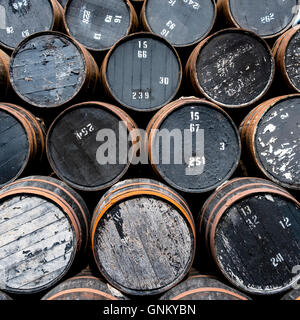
149	149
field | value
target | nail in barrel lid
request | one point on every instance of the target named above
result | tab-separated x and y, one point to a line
91	145
271	137
43	231
19	19
203	287
142	72
193	145
99	24
267	18
49	69
182	23
233	68
252	230
143	237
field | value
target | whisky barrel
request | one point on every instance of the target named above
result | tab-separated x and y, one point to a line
49	69
98	25
292	295
142	72
43	231
19	19
203	287
270	135
88	145
21	142
143	237
287	56
182	23
84	287
246	225
267	18
187	151
4	74
233	68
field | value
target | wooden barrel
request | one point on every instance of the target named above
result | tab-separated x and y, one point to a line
270	136
287	56
182	23
84	287
267	18
77	149
49	69
233	68
143	237
4	74
98	25
187	151
142	72
21	142
43	230
247	224
292	295
19	19
203	287
4	296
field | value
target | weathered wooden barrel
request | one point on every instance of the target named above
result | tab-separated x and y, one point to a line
19	19
21	142
4	73
182	23
50	69
98	25
203	287
84	287
267	18
292	295
142	72
91	145
233	68
187	151
43	231
286	52
270	136
247	224
143	237
4	296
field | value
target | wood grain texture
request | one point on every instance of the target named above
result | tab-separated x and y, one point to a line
248	243
23	18
181	23
267	18
215	63
199	157
142	244
4	74
98	25
142	72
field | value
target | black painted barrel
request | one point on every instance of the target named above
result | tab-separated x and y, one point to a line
251	228
287	56
193	145
91	145
203	287
267	18
99	24
19	19
21	142
142	72
43	231
270	136
233	68
143	237
4	73
292	295
182	23
50	69
84	287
